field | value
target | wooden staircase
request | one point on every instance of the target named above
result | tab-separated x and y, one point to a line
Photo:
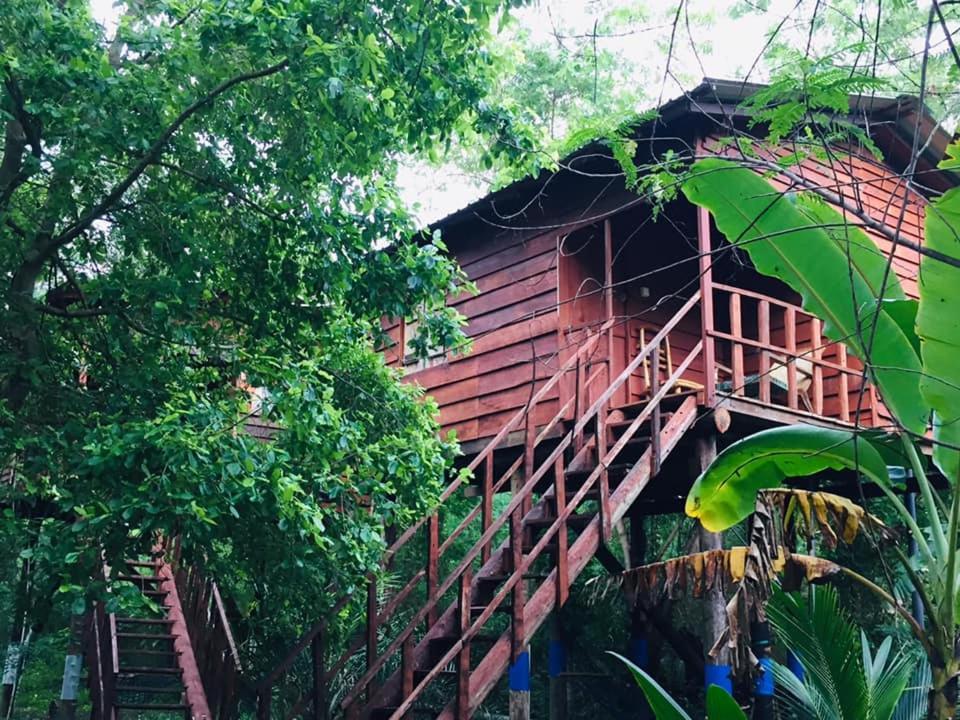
143	663
576	475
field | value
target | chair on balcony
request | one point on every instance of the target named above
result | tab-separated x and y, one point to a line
778	375
666	365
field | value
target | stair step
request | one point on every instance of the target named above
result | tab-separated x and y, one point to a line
150	651
146	636
154	593
617	469
419	675
145	621
573	520
140	563
498	579
151	706
478	609
141	578
382	713
147	670
145	689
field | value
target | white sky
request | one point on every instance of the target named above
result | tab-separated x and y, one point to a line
727	52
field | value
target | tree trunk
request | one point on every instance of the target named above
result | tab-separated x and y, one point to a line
943	694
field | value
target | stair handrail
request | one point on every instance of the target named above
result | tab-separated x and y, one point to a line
521	494
211	635
305	639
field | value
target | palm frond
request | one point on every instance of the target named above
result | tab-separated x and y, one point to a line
916	696
826	642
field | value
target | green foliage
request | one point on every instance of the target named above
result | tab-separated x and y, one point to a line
784	239
720	706
843	678
209	198
938	326
725	493
810	99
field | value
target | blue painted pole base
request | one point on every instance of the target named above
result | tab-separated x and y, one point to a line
718	675
519	674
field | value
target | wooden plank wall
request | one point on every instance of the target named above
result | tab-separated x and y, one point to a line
513	323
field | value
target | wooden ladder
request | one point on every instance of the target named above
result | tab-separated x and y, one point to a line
572	479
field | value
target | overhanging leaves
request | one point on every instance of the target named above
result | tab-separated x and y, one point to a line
938	324
726	492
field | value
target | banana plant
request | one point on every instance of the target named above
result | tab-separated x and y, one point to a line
910	350
720	705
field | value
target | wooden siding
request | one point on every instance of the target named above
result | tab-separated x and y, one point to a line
512	322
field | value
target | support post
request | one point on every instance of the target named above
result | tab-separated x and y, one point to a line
639	648
706	305
487	500
463	659
433	564
764	685
519	679
717	670
71	670
557	662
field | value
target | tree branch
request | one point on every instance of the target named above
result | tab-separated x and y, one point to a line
155	151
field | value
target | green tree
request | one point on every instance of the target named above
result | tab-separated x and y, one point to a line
201	203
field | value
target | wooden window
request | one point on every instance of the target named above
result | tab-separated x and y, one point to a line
411	362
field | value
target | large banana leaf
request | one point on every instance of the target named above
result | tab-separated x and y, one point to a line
938	322
720	706
839	280
726	492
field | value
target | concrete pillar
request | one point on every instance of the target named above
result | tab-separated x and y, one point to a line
519	680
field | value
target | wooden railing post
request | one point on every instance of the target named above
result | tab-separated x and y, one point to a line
372	612
463	658
655	417
578	403
433	565
407	668
319	694
560	500
844	382
487	500
790	323
736	350
706	305
816	339
763	327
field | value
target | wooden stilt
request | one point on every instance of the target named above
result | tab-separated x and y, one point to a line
519	676
717	667
557	660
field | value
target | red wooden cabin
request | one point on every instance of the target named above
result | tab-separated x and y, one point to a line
612	348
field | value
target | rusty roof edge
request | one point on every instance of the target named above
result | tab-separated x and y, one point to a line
899	110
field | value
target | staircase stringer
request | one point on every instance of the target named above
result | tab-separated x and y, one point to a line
538	607
196	697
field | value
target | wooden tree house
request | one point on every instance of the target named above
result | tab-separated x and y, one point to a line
609	339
